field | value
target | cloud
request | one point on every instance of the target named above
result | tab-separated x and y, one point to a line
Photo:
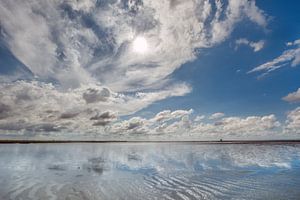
293	121
238	127
80	42
67	115
293	97
26	105
103	119
256	46
183	127
35	108
82	73
288	57
94	95
167	115
133	126
163	122
4	110
296	42
217	115
105	115
199	118
249	124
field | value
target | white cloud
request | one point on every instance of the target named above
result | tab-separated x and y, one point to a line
237	127
85	49
249	124
85	5
217	115
167	115
199	118
293	97
162	123
288	57
29	105
296	42
293	121
85	42
133	126
184	128
181	127
256	46
32	107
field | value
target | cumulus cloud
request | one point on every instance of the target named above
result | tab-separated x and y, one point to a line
35	108
185	128
293	121
163	122
250	124
296	42
133	126
256	46
94	95
290	57
105	115
237	127
26	105
167	115
32	107
217	115
4	110
103	119
293	97
199	118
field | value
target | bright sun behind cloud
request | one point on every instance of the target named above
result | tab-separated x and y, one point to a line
140	45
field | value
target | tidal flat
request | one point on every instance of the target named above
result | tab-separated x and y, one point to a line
149	171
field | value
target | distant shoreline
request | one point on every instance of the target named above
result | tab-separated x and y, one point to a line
153	141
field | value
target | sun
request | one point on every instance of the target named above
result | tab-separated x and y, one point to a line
140	45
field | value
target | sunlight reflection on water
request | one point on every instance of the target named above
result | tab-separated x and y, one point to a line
149	171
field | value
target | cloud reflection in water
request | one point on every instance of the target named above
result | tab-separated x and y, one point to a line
149	171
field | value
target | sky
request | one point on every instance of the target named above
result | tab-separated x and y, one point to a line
142	70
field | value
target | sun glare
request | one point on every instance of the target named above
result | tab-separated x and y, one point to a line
140	45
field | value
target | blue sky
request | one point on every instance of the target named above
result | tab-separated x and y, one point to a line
218	85
150	69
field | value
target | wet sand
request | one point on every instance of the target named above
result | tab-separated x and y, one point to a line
153	170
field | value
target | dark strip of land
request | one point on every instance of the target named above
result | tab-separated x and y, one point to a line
153	141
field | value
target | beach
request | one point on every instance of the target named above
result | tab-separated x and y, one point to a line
150	170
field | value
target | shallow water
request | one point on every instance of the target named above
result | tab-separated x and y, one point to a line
149	171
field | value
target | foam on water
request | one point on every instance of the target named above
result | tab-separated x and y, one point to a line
149	171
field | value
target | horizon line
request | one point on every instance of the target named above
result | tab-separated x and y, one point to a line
278	141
